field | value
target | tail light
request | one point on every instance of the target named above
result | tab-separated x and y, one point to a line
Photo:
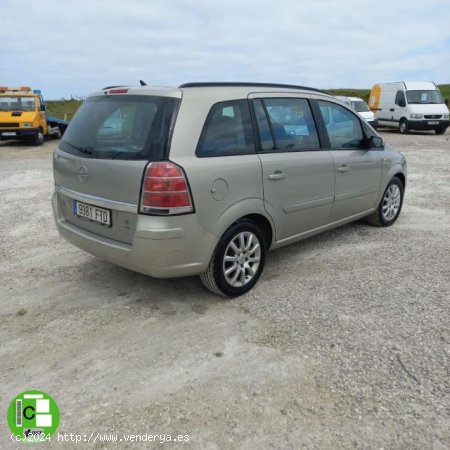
165	190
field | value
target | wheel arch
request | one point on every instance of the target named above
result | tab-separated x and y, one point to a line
263	223
401	176
251	209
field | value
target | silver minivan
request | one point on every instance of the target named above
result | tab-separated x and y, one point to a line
205	178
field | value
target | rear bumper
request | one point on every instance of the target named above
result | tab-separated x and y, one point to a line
427	124
162	247
19	133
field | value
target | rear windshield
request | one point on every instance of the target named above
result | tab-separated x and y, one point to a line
121	127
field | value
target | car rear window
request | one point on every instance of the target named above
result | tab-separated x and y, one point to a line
227	131
121	127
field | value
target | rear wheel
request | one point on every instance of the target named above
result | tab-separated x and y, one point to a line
390	205
238	260
441	130
403	127
57	134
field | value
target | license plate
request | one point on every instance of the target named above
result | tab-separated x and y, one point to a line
91	212
433	122
9	133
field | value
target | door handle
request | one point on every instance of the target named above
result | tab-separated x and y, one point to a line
392	109
277	175
343	168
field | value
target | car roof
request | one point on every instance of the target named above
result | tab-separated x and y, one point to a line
213	89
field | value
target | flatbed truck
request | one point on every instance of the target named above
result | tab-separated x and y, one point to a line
24	116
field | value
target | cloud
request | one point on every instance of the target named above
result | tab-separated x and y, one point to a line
72	47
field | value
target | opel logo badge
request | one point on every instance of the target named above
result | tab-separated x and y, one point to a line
83	174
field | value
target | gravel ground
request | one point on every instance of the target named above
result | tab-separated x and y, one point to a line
344	342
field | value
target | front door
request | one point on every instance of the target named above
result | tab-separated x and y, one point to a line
357	170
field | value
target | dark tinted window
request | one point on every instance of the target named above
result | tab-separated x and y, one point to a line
121	127
265	135
399	97
343	127
227	131
292	124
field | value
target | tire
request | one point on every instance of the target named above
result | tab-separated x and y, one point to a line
403	127
242	247
39	138
440	130
390	205
57	134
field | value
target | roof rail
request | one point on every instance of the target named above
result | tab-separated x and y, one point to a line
243	84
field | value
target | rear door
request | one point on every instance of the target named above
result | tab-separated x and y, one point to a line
357	169
298	175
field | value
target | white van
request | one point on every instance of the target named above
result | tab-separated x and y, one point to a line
409	105
360	106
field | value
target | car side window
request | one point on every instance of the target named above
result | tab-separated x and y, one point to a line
291	123
227	130
265	134
343	127
399	97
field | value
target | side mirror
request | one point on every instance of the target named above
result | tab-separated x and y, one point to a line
376	142
42	108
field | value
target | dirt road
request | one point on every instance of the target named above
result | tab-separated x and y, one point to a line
344	342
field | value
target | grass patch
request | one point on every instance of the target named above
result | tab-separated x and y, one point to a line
59	108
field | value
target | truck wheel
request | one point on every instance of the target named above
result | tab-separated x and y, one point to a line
57	134
39	138
238	260
441	130
403	127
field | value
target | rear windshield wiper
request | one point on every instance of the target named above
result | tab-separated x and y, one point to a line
86	150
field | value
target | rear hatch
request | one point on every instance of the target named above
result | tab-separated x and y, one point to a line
100	161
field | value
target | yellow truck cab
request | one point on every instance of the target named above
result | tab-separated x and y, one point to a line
23	116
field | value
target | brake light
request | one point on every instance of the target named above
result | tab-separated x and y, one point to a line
165	190
118	91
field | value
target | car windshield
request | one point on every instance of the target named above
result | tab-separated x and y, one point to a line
360	106
17	103
424	97
121	127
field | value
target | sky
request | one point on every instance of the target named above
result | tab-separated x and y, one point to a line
74	47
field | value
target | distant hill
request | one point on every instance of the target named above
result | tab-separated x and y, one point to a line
58	108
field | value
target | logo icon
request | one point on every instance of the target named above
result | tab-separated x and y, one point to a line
83	174
33	415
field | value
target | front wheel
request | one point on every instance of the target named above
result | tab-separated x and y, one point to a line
390	205
39	138
238	260
441	130
403	127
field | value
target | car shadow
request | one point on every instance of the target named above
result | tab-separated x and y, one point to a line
125	285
